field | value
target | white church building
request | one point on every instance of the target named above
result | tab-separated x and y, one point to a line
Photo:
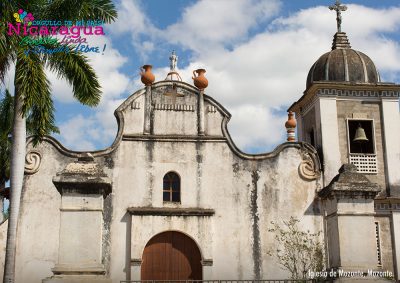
173	198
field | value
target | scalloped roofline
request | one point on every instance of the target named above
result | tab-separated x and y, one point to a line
118	113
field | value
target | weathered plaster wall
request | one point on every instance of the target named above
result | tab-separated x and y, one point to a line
213	120
174	114
135	113
3	240
246	196
38	228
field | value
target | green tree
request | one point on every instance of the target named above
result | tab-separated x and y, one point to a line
32	91
297	251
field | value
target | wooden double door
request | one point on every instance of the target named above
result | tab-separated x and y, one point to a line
171	256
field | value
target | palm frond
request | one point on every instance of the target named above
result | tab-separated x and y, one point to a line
40	121
7	53
5	156
34	87
30	79
75	68
73	10
6	121
3	44
6	58
6	114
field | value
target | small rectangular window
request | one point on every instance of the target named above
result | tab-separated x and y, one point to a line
378	244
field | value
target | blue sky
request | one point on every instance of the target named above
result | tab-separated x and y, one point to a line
257	54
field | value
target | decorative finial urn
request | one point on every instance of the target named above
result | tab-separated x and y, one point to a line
200	81
290	126
147	77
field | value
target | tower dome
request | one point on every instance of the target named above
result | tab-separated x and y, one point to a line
343	64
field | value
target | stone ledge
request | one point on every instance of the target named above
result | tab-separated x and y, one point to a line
83	176
76	279
164	211
172	138
350	184
81	269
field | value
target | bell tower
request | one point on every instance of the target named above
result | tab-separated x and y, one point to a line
352	118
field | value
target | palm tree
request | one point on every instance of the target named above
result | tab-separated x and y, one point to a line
6	126
32	94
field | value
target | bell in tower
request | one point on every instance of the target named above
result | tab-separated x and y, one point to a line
360	136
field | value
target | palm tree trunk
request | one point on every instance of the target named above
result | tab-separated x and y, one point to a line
16	180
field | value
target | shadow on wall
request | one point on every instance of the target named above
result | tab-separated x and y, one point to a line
314	208
127	219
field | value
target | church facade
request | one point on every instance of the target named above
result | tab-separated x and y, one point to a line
173	198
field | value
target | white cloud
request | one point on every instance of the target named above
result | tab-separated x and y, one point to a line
252	125
131	18
209	25
133	21
75	133
105	118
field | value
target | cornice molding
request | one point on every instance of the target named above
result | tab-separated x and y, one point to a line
167	211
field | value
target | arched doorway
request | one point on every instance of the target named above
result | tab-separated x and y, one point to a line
171	256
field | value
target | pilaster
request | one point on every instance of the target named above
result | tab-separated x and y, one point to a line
147	111
82	185
391	132
330	137
201	112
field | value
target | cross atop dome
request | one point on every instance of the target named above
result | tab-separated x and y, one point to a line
339	9
340	40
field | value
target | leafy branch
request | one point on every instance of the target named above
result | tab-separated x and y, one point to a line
297	251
